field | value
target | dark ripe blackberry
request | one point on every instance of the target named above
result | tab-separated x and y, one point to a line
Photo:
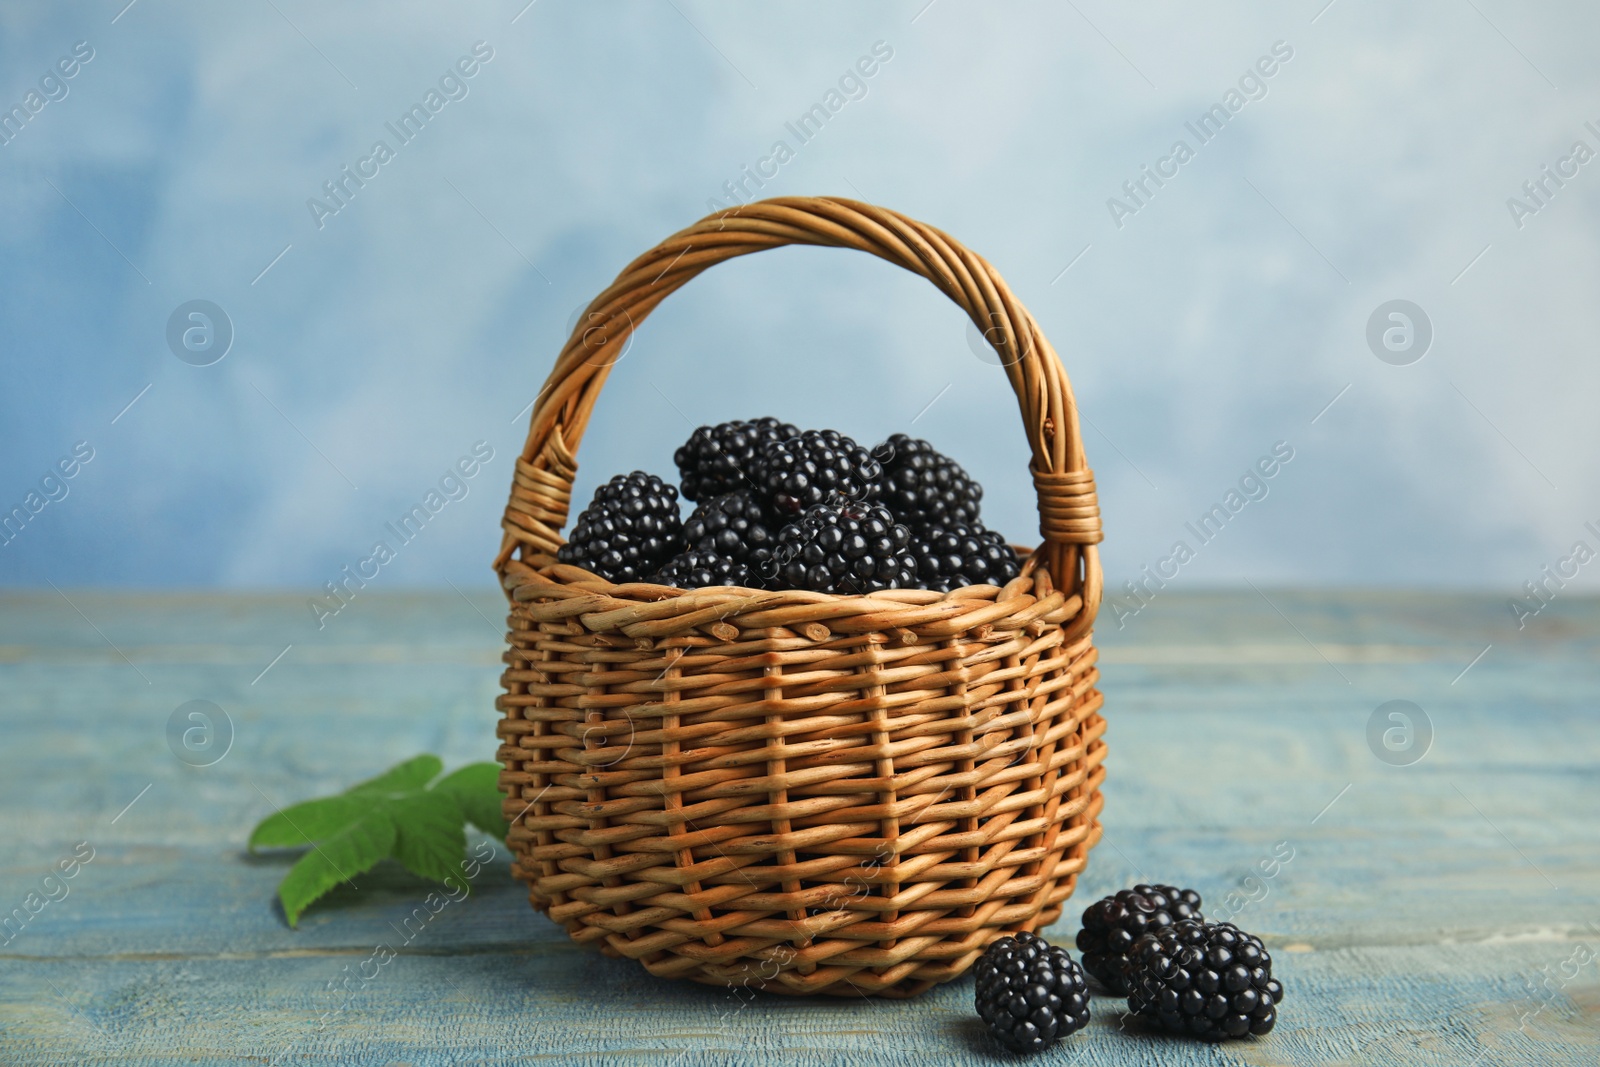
696	568
849	548
1112	924
629	529
949	557
923	486
719	459
733	525
1030	993
818	466
1210	980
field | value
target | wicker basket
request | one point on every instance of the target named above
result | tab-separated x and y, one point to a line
796	791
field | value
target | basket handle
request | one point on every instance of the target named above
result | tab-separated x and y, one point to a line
1069	513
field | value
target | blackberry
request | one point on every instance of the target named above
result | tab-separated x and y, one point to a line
818	466
1030	994
949	557
849	548
733	525
923	486
1112	924
696	568
629	529
719	459
1210	980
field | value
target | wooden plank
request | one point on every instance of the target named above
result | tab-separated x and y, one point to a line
1417	917
1441	1005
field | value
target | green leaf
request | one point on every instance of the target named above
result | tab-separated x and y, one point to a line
394	814
300	824
430	841
414	773
476	788
354	850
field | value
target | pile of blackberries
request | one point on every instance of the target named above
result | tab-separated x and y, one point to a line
1208	980
781	508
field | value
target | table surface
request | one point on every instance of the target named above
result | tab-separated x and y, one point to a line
1445	910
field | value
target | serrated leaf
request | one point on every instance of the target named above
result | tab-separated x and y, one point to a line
414	773
312	820
353	850
393	814
476	788
429	841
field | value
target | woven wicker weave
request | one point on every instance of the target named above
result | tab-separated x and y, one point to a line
796	791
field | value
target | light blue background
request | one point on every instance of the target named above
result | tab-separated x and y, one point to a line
1220	319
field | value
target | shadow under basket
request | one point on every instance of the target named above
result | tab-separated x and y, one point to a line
792	791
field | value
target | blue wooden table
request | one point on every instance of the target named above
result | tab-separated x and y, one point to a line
1441	906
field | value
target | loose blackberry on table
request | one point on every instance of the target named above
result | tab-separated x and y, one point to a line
962	554
843	548
719	459
1209	980
815	467
629	529
923	486
1112	924
1030	993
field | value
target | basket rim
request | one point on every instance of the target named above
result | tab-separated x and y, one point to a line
550	590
